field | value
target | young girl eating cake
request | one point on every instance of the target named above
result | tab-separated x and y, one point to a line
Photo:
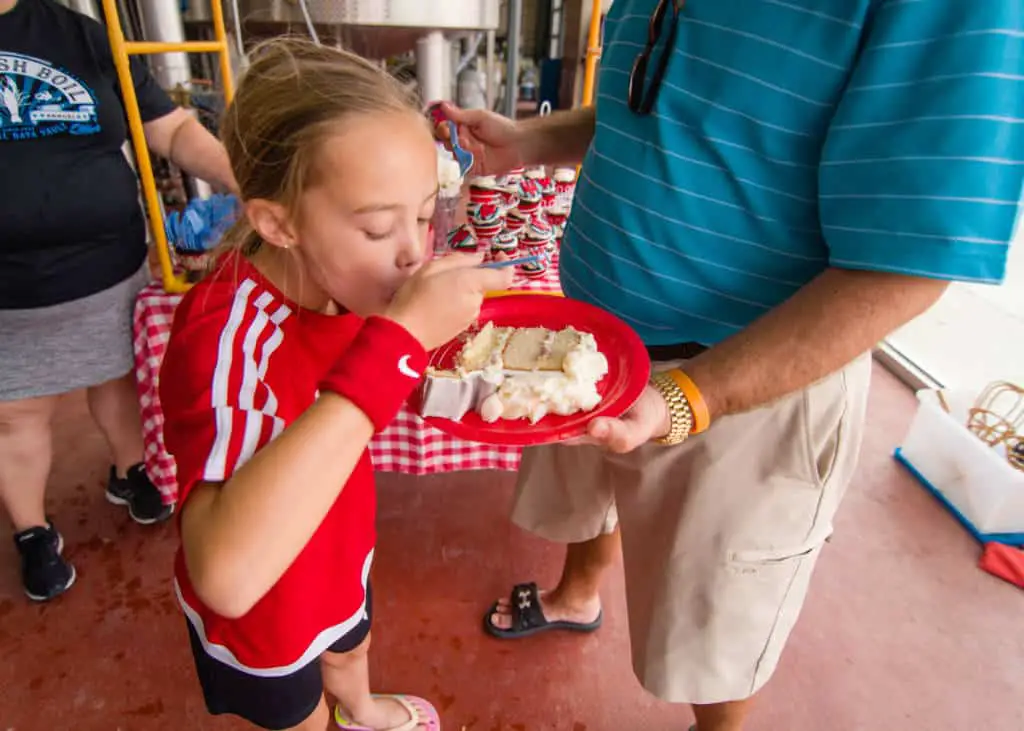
306	339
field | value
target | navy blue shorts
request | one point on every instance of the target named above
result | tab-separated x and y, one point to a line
271	703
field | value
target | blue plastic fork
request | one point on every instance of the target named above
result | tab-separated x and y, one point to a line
516	262
463	157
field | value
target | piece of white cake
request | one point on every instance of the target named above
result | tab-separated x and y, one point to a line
518	373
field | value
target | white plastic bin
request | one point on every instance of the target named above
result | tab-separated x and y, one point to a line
975	478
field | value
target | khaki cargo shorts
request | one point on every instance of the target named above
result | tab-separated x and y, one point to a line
719	535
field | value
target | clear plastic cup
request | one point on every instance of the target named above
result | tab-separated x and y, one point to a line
445	212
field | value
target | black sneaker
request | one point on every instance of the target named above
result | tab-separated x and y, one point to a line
142	498
44	573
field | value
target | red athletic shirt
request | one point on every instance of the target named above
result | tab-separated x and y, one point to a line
242	364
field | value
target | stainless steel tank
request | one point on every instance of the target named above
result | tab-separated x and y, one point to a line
440	15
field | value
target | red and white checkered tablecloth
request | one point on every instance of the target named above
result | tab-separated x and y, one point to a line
408	445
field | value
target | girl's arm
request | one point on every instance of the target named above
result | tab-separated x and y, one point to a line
239	537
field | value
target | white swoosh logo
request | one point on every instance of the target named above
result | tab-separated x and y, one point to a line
405	370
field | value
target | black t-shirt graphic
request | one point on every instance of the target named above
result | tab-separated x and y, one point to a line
70	222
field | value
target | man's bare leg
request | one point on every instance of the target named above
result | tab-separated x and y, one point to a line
722	716
577	596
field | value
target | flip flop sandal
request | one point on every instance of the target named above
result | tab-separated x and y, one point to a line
528	617
422	715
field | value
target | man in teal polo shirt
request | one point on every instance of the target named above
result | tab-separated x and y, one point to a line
769	188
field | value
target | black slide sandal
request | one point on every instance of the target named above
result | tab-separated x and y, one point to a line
528	618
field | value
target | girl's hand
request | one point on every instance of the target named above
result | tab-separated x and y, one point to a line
444	297
493	139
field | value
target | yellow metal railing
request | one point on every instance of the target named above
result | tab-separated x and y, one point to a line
593	53
592	58
121	50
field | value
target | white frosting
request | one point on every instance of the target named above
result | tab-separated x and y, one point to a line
484	181
449	176
585	363
537	173
535	395
564	175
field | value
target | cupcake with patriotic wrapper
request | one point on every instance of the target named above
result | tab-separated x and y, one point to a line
565	184
529	197
516	220
536	268
189	245
505	242
462	239
537	235
548	193
557	217
545	184
510	196
487	220
484	189
513	176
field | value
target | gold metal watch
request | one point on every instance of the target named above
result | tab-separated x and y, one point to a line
680	413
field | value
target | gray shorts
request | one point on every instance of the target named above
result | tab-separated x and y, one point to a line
47	351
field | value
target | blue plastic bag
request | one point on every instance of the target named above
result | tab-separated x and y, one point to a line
201	225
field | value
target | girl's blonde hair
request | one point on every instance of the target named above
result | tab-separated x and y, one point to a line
290	99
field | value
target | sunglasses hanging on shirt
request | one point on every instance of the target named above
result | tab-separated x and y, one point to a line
641	99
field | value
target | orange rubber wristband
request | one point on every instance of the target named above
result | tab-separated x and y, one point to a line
699	407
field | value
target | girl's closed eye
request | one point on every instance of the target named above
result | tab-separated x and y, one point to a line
379	225
378	235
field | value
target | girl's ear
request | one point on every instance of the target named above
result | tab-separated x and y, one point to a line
271	221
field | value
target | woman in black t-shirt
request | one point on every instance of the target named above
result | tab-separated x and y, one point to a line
73	258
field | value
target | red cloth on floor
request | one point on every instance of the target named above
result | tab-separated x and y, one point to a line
1005	562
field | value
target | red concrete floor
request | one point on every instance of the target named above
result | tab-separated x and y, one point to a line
902	632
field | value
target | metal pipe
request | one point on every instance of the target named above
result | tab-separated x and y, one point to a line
472	51
557	31
515	30
432	69
309	22
162	23
198	11
243	60
490	71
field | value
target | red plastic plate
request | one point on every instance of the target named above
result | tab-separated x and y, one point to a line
629	369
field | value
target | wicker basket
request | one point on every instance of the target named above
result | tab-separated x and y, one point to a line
997	417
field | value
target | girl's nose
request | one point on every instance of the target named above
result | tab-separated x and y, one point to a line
414	250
